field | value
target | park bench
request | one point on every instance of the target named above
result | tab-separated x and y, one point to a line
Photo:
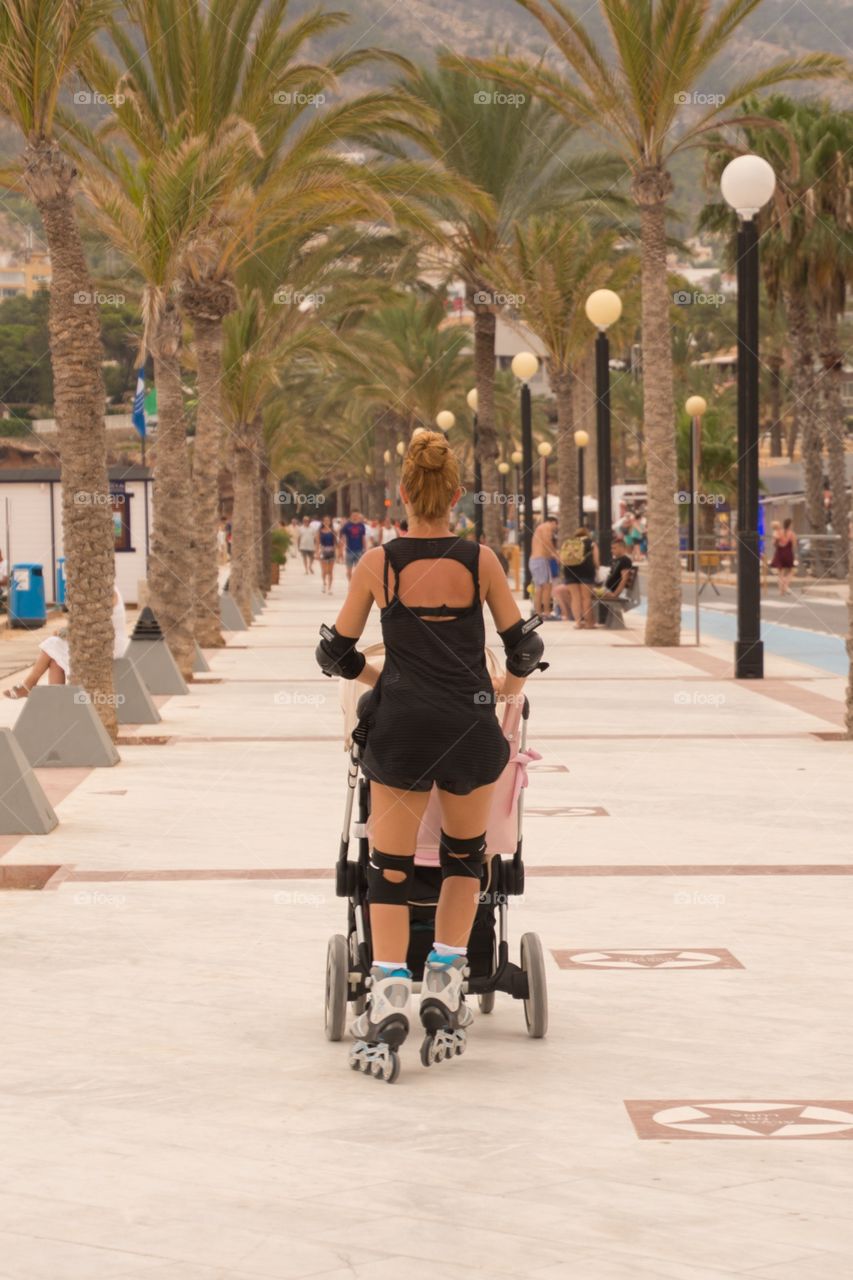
612	612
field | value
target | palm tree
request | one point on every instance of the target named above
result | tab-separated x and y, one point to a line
152	206
295	179
519	153
552	265
806	241
638	93
41	45
829	250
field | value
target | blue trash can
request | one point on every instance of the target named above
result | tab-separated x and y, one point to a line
60	581
26	596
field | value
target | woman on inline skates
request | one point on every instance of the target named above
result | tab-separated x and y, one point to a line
431	720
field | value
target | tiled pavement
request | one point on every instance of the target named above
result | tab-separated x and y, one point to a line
170	1109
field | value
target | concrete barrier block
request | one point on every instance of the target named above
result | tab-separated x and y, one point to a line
200	662
134	704
24	808
59	728
154	662
232	618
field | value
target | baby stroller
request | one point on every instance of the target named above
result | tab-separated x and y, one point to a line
490	969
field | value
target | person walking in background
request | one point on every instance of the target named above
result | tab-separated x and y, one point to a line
354	534
222	543
307	544
542	551
325	549
579	558
785	555
387	531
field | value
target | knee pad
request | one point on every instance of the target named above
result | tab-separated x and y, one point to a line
385	892
459	857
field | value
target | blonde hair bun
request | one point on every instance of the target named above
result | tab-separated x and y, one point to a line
429	450
430	474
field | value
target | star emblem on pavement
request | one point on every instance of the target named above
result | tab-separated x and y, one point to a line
763	1122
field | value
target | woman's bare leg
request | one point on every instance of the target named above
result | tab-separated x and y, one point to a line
464	817
42	664
395	819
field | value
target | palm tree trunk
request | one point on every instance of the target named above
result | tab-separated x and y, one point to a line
76	353
663	623
832	407
487	441
776	434
567	454
801	330
205	476
244	523
848	719
268	520
170	573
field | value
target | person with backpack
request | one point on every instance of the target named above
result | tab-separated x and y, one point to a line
579	558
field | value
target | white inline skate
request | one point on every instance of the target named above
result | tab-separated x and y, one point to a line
444	1013
384	1025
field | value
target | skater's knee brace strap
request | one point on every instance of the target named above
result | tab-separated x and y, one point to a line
462	857
388	890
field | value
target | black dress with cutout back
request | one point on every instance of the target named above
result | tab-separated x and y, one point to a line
431	717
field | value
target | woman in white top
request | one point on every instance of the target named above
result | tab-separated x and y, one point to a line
54	657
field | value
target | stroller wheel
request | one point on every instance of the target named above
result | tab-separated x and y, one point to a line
486	1001
536	1004
337	976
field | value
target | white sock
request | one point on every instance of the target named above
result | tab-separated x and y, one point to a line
390	964
442	949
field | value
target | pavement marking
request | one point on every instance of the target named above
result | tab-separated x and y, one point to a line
668	958
812	1118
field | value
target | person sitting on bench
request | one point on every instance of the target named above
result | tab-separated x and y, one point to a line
620	572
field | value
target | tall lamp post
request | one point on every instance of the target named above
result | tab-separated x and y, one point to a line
473	401
581	440
695	406
603	309
747	183
544	450
401	453
503	471
517	457
525	366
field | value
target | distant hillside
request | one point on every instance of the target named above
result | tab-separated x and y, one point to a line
474	27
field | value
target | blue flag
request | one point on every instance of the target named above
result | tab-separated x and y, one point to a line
139	403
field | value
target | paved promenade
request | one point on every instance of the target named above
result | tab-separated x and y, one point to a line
170	1109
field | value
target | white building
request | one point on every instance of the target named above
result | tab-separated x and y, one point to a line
31	522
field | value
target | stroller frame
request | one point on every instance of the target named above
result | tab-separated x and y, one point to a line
349	958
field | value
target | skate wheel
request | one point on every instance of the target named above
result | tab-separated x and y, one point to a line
430	1054
391	1068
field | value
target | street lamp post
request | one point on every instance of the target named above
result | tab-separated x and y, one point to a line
517	458
747	183
544	450
603	308
581	440
695	406
473	401
445	421
401	453
525	366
